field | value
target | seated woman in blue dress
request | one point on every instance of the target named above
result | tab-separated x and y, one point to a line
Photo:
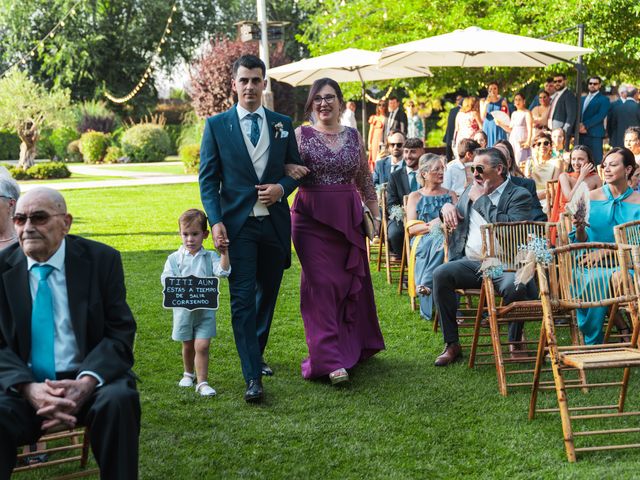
423	224
612	204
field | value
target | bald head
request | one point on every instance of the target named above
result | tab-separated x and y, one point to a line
41	222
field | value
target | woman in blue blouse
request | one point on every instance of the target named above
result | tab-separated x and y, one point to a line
612	204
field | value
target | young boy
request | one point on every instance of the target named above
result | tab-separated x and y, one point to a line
195	328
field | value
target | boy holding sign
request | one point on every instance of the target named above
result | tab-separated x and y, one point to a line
194	328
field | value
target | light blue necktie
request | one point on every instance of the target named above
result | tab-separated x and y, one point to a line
255	129
43	360
413	183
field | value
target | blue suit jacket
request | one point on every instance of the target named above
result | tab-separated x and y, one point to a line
228	179
593	117
382	171
621	117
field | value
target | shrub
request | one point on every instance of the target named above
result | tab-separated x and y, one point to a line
114	154
93	146
44	147
174	134
73	151
192	130
146	143
95	116
9	146
41	171
190	156
60	139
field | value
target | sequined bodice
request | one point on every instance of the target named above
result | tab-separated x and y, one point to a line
335	158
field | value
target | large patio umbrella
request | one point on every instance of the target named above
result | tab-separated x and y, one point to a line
350	65
475	47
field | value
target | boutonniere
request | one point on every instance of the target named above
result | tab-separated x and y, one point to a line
279	131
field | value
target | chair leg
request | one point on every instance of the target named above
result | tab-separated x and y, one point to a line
381	248
542	343
476	329
436	321
497	352
413	303
565	415
610	321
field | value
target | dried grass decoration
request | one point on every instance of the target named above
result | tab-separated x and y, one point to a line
492	268
535	251
579	205
396	213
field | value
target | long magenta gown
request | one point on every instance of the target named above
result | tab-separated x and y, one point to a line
336	296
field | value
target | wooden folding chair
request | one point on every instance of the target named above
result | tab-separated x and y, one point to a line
566	284
375	250
406	251
61	446
501	241
392	266
550	193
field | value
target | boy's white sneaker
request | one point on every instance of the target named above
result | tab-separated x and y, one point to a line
205	390
187	380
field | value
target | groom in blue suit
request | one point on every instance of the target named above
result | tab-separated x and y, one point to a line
244	191
595	107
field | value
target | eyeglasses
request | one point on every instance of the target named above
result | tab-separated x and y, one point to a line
317	100
546	143
594	83
558	81
396	144
479	169
37	218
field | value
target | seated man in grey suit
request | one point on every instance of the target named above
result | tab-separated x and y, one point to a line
66	339
490	198
389	164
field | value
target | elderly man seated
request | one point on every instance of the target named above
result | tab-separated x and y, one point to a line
490	198
66	339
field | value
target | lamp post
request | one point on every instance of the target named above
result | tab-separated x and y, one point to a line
267	95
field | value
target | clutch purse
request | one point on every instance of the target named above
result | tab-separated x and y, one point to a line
367	222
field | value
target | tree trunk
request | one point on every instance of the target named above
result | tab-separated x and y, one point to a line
27	155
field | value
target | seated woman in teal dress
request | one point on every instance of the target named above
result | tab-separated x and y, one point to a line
423	224
612	204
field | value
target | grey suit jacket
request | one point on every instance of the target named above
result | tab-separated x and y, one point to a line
514	206
565	113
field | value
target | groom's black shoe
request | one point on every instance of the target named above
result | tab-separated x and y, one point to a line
266	369
254	393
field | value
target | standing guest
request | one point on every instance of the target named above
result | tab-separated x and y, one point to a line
389	164
581	170
490	104
595	108
377	137
481	138
542	167
520	130
336	294
632	141
519	180
540	113
423	209
397	120
67	335
468	120
549	89
451	128
9	195
195	328
348	118
623	116
415	127
623	91
612	204
563	112
458	173
244	190
491	198
402	182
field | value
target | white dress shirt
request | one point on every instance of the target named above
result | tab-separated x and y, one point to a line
473	249
348	118
65	344
554	102
246	122
455	177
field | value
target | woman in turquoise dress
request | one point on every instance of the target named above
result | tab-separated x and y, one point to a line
612	204
490	104
423	223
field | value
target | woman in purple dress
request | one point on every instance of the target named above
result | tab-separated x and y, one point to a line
336	294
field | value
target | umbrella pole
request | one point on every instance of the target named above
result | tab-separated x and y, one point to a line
580	70
364	113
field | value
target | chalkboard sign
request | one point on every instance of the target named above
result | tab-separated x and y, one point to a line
192	293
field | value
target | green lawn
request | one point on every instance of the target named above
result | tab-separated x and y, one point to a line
399	418
75	177
150	167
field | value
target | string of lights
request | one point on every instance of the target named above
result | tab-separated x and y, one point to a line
376	100
52	33
134	91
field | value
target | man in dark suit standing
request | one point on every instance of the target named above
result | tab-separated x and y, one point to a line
595	108
622	116
402	182
397	119
66	339
563	112
490	198
389	164
244	191
451	128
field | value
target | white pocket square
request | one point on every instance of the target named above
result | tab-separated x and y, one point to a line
284	134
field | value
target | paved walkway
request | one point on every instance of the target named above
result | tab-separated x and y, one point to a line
132	178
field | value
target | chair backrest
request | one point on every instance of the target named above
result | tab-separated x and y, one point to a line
580	275
552	187
627	233
502	240
565	225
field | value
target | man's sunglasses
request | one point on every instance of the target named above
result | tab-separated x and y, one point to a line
594	83
396	144
546	143
37	218
477	169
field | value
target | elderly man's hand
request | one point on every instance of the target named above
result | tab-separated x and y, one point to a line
76	390
50	402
